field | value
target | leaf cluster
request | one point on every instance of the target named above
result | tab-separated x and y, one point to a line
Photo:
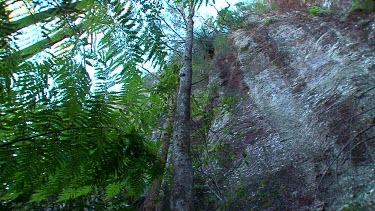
78	120
168	80
68	141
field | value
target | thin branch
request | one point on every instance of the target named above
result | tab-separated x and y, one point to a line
360	142
179	53
363	112
179	11
366	92
200	80
171	28
215	180
342	150
148	71
218	12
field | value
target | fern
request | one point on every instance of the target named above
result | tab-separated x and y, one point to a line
65	135
71	193
114	189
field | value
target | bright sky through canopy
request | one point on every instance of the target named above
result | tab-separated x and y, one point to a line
206	11
33	33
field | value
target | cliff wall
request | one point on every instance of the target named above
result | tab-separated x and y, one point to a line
337	5
302	134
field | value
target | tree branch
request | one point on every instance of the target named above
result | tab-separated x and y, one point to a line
40	17
171	28
38	47
200	80
148	71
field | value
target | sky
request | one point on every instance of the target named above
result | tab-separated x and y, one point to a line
203	13
206	11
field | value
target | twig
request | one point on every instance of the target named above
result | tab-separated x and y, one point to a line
341	151
179	53
360	142
179	11
200	80
171	28
211	162
145	69
365	92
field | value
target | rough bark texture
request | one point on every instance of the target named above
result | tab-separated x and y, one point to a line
182	174
303	135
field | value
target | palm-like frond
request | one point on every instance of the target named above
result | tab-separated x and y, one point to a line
63	133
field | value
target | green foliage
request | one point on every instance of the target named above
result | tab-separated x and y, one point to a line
318	10
204	46
168	80
261	195
114	189
204	53
366	5
357	206
7	61
71	193
221	45
210	154
257	7
66	131
229	20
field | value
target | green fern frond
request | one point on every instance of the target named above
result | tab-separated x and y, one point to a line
61	137
72	193
114	189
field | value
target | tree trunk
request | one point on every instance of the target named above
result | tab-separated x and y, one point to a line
182	174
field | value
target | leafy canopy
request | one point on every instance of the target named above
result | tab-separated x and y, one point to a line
65	130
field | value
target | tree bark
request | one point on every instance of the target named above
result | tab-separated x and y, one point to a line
182	174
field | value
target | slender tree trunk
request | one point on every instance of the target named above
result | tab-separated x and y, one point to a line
182	174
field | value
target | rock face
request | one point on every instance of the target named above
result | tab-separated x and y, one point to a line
338	5
302	135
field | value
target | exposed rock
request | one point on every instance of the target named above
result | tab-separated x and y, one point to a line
338	5
302	137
